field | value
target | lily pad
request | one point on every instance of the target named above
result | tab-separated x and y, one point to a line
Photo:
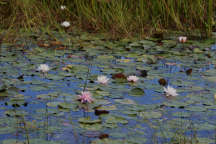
137	92
112	107
125	101
87	120
150	115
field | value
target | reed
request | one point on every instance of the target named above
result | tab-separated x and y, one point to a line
122	18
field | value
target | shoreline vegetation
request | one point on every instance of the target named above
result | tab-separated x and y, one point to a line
117	18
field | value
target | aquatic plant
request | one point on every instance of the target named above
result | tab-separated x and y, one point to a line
102	79
43	68
85	97
133	113
132	78
170	91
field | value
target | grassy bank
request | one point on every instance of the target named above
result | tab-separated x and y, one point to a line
119	18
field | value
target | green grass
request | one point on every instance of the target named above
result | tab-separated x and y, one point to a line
119	18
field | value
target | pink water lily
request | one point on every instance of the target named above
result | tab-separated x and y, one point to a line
85	97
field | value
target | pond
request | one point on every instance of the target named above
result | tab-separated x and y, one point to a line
44	107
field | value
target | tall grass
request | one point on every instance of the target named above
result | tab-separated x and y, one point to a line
117	17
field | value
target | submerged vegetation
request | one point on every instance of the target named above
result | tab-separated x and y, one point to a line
119	18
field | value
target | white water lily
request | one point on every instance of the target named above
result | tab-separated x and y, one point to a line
170	91
43	68
182	39
132	78
102	79
63	7
65	24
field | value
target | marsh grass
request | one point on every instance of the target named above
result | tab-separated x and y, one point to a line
120	18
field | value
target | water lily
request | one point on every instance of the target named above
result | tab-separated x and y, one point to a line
102	79
182	39
63	7
65	24
67	68
132	78
170	91
43	68
85	97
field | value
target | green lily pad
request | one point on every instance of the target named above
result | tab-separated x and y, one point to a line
53	104
115	119
125	101
150	115
87	120
63	105
196	108
112	107
137	92
107	141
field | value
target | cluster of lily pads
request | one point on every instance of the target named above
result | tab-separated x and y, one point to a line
86	96
120	100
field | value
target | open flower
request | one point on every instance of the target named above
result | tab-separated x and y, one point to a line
182	39
170	91
85	97
43	68
132	78
63	7
102	79
65	24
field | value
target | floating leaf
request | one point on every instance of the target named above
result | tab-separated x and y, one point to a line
137	92
18	97
111	119
150	114
52	104
189	71
125	101
119	76
197	50
107	141
64	105
87	120
100	112
108	108
162	82
196	108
